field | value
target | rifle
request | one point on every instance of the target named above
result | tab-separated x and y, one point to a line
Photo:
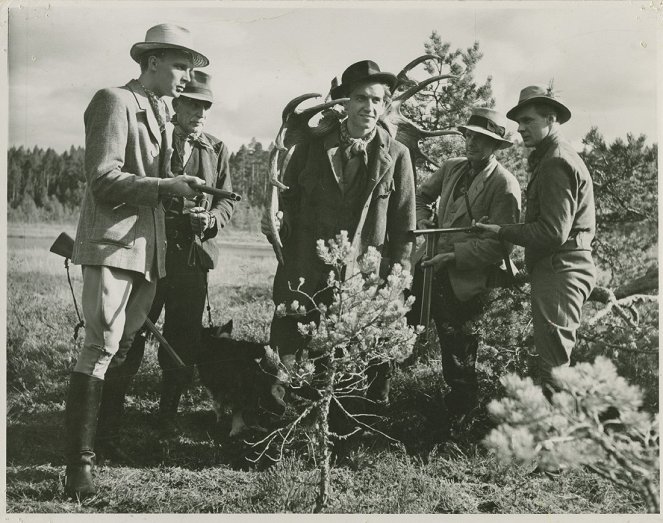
431	236
218	192
64	246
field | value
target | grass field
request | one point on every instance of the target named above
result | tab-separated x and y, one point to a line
437	469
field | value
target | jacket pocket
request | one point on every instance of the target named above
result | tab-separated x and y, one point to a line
114	224
383	190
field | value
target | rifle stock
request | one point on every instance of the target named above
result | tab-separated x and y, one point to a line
64	246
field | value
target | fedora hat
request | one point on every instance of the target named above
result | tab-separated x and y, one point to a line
360	72
199	87
168	36
541	94
489	122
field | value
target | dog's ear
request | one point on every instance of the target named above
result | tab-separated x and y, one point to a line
222	331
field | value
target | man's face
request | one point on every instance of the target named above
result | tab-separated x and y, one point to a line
532	126
366	105
478	146
191	114
172	72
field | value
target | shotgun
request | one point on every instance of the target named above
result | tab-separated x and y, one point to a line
431	236
218	192
64	246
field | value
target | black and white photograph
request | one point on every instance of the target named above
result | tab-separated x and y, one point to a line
331	257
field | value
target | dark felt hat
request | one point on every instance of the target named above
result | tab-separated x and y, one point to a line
361	72
168	36
489	122
541	94
199	88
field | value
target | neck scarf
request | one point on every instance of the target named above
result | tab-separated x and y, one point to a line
158	106
355	146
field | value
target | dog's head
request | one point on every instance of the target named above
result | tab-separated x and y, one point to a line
254	367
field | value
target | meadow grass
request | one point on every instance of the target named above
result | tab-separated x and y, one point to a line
438	468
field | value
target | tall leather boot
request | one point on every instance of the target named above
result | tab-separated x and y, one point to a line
116	383
171	392
80	424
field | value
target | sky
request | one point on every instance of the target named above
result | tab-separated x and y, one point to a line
602	56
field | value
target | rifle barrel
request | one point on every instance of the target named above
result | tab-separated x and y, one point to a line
449	230
219	192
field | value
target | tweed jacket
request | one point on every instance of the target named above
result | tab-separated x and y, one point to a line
560	212
209	160
121	223
314	208
495	193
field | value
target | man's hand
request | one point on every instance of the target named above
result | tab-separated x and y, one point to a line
486	228
438	261
182	185
425	223
200	220
265	226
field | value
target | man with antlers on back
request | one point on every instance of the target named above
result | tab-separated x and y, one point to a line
355	178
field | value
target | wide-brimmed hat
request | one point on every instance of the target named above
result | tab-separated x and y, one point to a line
489	122
168	36
361	72
541	94
199	88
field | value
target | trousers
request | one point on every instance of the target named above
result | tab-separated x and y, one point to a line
459	342
561	284
115	304
182	294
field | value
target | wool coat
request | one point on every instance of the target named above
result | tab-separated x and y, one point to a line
209	160
560	212
122	217
494	192
314	208
559	227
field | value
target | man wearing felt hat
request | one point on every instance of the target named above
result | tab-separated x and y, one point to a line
558	231
120	240
465	265
192	228
355	178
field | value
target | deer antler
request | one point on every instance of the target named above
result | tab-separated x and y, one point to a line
294	129
400	127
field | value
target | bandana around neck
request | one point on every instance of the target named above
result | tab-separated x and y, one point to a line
354	146
158	106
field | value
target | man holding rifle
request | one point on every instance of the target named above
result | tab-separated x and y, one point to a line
120	241
191	230
464	265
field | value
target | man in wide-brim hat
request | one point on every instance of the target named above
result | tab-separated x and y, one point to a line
192	230
558	231
465	264
355	178
121	240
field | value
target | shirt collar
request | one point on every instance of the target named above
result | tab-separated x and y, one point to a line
542	147
195	139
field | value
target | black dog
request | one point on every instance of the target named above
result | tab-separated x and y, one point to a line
245	376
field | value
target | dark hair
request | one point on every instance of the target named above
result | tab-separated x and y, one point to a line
145	58
387	89
159	53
